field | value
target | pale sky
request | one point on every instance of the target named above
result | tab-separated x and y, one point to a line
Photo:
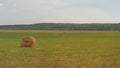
55	11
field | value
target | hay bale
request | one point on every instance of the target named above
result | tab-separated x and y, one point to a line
28	41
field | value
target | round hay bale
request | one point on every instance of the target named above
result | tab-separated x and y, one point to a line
28	41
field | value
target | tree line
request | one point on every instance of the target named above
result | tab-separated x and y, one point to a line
63	26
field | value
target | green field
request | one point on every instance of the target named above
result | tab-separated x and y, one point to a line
61	50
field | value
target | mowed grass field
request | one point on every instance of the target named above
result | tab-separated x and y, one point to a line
61	50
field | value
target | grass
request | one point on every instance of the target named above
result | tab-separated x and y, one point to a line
61	50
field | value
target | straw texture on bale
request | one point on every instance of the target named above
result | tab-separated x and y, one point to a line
28	41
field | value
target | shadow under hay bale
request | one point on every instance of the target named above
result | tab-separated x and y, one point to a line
28	41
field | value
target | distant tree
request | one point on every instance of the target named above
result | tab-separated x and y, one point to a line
118	26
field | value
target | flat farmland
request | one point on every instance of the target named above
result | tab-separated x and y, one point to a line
61	49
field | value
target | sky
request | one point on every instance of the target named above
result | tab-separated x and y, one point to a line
59	11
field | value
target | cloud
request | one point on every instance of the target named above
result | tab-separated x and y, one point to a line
62	11
80	1
35	11
83	15
1	4
14	5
